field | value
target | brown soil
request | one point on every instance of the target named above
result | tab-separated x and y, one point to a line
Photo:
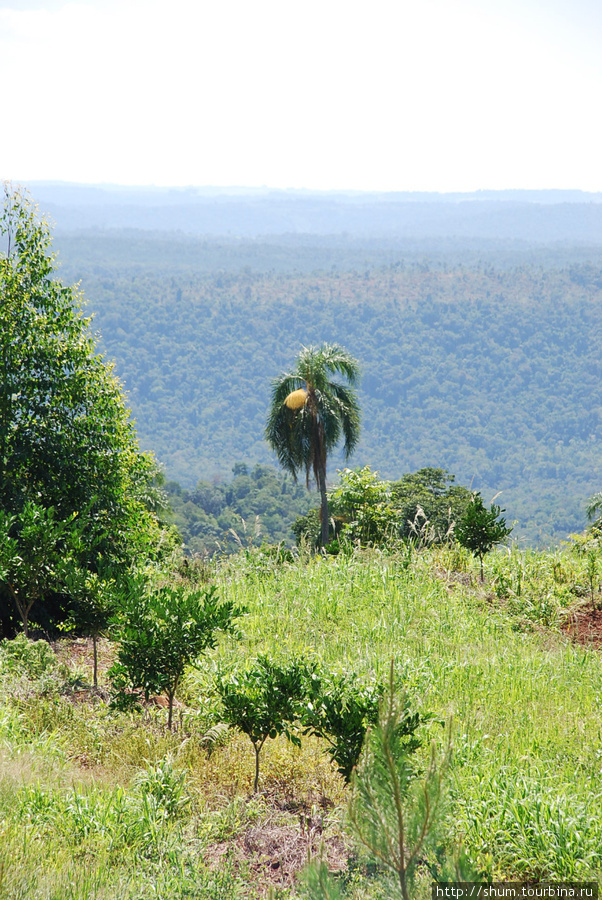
585	626
273	855
78	653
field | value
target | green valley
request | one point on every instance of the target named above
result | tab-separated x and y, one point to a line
492	372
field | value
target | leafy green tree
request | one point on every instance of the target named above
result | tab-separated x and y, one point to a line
164	630
308	528
310	412
264	701
362	502
480	529
34	551
429	504
340	711
66	442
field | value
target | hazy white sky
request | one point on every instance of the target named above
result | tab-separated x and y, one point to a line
444	95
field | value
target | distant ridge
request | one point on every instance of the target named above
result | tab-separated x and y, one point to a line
537	216
59	191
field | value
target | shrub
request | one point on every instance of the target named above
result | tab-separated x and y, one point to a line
22	656
163	631
340	710
263	702
480	529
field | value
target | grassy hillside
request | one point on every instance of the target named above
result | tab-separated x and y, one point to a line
492	373
95	804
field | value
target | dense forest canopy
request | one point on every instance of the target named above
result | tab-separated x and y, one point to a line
478	337
493	375
256	504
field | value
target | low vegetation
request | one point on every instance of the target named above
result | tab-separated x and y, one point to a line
124	807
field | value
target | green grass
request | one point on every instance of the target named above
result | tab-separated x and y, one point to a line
95	804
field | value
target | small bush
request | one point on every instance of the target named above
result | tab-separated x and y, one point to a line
20	656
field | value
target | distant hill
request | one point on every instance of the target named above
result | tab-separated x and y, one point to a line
493	374
540	216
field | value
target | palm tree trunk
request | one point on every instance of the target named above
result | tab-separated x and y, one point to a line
323	505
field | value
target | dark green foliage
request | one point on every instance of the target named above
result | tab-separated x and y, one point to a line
36	553
307	528
340	709
162	631
362	509
219	517
480	529
303	436
264	701
429	505
67	446
269	699
421	508
486	369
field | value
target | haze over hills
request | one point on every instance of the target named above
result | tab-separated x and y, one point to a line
477	320
539	216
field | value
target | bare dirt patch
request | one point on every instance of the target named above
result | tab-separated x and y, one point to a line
274	854
585	626
78	653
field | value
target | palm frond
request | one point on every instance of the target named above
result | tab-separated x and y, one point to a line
302	437
594	506
337	359
348	413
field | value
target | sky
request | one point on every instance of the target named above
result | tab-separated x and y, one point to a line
385	95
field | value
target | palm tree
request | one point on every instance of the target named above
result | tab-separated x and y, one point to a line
310	412
594	509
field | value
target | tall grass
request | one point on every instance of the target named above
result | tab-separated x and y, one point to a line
92	791
525	702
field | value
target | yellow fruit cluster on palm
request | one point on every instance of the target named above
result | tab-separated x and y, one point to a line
296	399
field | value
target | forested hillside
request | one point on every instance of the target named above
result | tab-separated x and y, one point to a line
256	505
491	371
